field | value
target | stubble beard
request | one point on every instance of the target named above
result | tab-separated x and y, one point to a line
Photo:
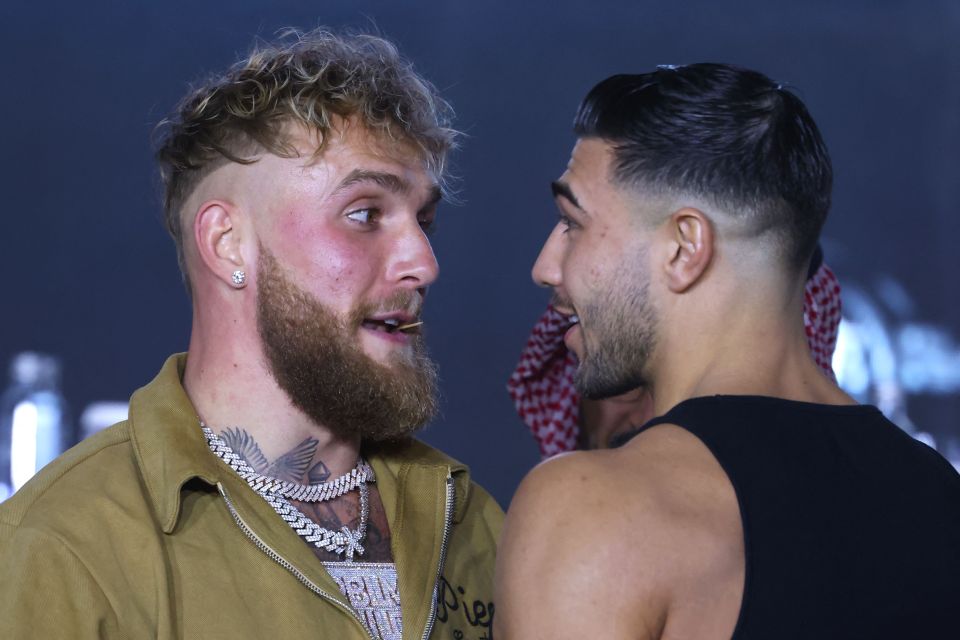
314	355
622	323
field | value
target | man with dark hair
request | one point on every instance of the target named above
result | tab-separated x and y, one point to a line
266	483
547	400
763	502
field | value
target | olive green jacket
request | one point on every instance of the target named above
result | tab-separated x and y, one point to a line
140	532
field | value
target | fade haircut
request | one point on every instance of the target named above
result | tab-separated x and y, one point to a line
728	135
312	79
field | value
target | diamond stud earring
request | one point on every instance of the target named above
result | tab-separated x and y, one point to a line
239	279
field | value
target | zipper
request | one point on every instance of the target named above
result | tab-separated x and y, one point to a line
447	525
280	560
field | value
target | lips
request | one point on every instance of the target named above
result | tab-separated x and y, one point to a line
571	332
571	315
393	323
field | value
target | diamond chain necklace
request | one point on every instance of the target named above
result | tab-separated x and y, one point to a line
278	494
294	491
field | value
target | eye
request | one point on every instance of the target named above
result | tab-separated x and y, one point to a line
428	222
366	216
568	223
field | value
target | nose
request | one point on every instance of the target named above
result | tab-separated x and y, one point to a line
546	270
413	263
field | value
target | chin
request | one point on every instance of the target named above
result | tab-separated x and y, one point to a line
383	357
389	355
593	388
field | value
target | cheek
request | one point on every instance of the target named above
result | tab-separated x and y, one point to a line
584	266
601	258
332	265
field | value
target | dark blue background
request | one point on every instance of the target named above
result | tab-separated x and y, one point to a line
89	274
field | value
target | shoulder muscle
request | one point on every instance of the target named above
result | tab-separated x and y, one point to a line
566	543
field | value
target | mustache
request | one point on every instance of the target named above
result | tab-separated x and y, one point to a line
563	302
409	302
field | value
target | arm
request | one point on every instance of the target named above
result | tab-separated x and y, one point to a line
573	562
47	592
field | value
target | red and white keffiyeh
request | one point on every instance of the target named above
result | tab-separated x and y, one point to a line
821	316
542	384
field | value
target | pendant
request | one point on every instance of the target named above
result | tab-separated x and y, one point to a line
352	544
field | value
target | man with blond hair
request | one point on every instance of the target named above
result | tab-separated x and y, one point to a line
266	483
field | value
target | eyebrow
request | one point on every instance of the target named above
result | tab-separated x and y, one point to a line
562	190
389	181
436	195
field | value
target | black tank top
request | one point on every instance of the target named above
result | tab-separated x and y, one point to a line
851	527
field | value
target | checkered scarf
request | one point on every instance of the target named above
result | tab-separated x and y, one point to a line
542	384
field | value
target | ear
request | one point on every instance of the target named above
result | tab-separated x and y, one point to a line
219	241
691	248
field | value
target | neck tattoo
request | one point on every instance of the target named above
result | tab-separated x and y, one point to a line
278	494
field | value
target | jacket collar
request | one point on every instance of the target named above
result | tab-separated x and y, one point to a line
167	441
171	449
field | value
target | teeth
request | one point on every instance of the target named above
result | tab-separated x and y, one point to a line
574	319
392	325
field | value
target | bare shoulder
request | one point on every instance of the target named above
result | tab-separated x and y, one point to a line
598	544
558	563
656	482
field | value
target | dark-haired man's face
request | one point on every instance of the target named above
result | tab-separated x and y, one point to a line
595	259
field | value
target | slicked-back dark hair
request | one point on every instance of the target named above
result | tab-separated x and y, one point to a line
731	136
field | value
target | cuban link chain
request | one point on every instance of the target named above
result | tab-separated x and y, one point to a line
345	541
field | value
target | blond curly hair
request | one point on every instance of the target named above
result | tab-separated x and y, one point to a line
312	79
